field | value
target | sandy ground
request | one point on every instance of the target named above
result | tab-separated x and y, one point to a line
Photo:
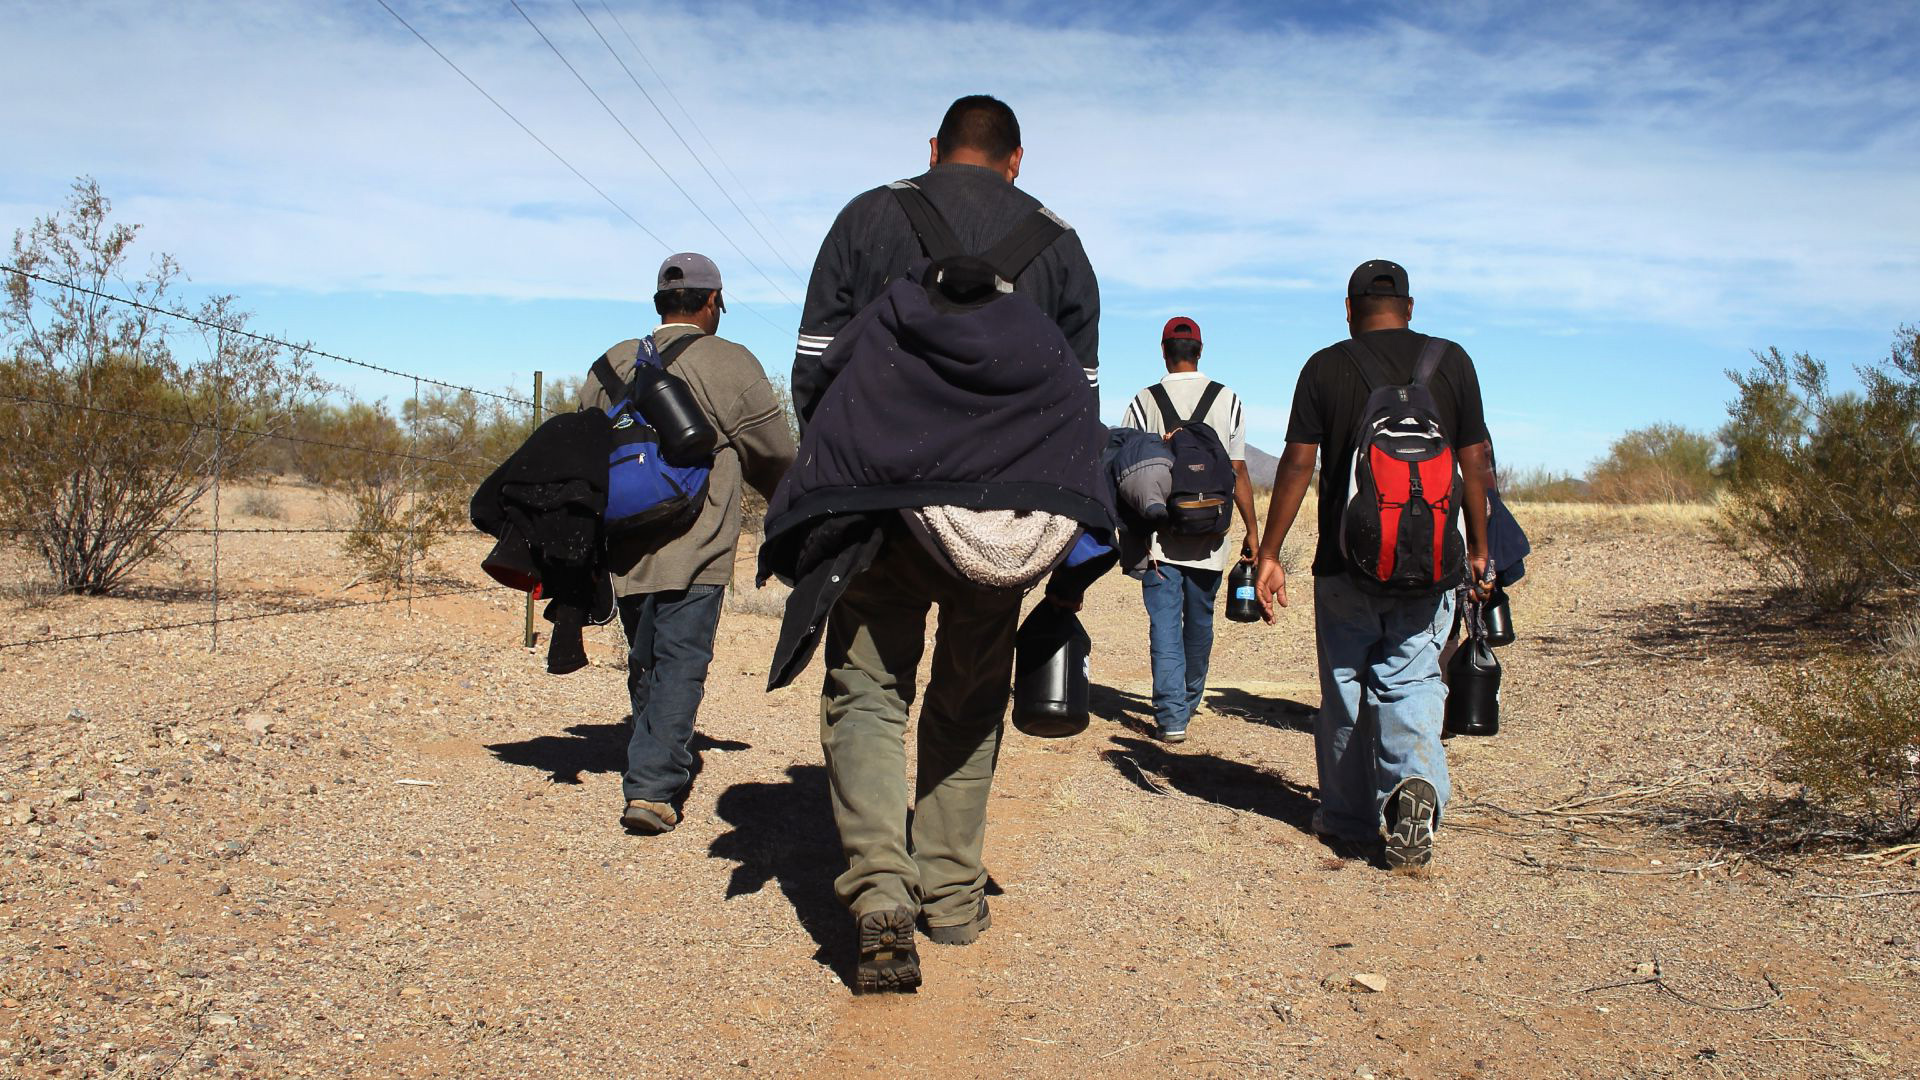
369	842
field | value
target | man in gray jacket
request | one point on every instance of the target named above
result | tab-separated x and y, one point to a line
670	596
875	633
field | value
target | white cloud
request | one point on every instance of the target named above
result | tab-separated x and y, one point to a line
1616	162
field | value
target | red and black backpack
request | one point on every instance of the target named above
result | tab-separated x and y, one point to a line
1401	531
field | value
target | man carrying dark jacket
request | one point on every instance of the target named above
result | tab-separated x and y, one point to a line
876	628
670	595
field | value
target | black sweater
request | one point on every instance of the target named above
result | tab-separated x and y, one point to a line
871	243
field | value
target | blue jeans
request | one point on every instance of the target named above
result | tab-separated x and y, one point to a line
669	646
1180	634
1381	700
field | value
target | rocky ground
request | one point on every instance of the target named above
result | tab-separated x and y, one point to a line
377	841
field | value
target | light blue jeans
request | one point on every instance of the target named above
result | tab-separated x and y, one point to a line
1180	638
1381	701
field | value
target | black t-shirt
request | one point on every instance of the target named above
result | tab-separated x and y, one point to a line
1326	408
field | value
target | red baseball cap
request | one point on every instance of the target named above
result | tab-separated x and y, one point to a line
1180	328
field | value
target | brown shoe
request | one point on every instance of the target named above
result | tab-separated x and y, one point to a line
965	933
888	958
649	817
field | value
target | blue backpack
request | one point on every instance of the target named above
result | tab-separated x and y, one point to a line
644	493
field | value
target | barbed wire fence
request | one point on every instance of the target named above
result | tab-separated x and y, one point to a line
225	426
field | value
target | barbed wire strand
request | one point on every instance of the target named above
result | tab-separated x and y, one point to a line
695	154
400	454
267	339
595	94
257	616
666	85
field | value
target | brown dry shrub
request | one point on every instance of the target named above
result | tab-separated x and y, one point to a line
1849	728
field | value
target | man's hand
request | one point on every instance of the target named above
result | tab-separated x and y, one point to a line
1270	587
1247	549
1479	576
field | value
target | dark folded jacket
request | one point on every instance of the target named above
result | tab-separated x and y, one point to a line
544	505
984	408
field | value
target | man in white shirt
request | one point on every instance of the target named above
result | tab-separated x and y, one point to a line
1183	577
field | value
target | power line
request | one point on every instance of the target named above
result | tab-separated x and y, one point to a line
516	121
684	111
649	154
313	610
683	139
262	338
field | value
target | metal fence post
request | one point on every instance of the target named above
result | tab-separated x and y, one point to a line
526	629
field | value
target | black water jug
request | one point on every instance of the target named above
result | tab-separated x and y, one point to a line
663	398
1473	687
1050	673
1497	619
1242	605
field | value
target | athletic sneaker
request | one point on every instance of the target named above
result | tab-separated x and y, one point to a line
1168	735
888	959
649	817
1410	814
965	933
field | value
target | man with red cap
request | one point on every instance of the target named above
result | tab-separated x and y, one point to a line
1183	577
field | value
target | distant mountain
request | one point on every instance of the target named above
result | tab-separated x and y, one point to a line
1260	466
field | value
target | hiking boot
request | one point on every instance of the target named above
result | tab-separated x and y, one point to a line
650	818
888	959
1410	814
965	933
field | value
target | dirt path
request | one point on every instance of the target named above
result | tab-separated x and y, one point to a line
362	844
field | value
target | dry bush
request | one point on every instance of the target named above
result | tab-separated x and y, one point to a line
1823	488
1540	485
108	436
261	503
1662	463
1849	728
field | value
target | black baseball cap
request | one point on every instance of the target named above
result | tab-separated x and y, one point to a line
1364	283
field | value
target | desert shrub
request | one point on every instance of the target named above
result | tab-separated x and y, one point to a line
1541	485
1849	728
108	435
261	503
1662	463
1824	488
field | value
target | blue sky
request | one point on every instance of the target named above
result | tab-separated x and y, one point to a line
1608	205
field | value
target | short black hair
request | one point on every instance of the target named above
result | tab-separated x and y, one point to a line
1366	307
1181	350
669	302
979	122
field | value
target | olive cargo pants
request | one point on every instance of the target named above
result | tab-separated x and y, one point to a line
875	636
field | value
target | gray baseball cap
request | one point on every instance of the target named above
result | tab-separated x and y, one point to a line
688	270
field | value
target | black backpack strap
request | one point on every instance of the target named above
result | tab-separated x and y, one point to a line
1035	233
1207	398
1372	373
1169	416
1429	360
609	380
936	236
679	345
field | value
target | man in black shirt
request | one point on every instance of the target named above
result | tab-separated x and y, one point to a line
1382	769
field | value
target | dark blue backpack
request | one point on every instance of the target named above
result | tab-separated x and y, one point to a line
1204	481
644	492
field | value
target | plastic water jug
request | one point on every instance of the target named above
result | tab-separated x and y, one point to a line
663	398
1242	605
1050	674
1498	619
1473	686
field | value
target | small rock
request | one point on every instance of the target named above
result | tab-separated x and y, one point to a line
224	890
77	714
9	1003
258	725
1897	941
220	1020
72	794
1644	968
1370	983
412	992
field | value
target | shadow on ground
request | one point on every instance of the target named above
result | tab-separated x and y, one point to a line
1276	712
1214	779
784	833
593	748
1120	706
1753	625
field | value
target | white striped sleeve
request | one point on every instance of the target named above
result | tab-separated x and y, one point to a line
812	344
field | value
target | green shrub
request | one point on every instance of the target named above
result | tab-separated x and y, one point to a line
1663	463
1824	488
1541	485
1849	728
